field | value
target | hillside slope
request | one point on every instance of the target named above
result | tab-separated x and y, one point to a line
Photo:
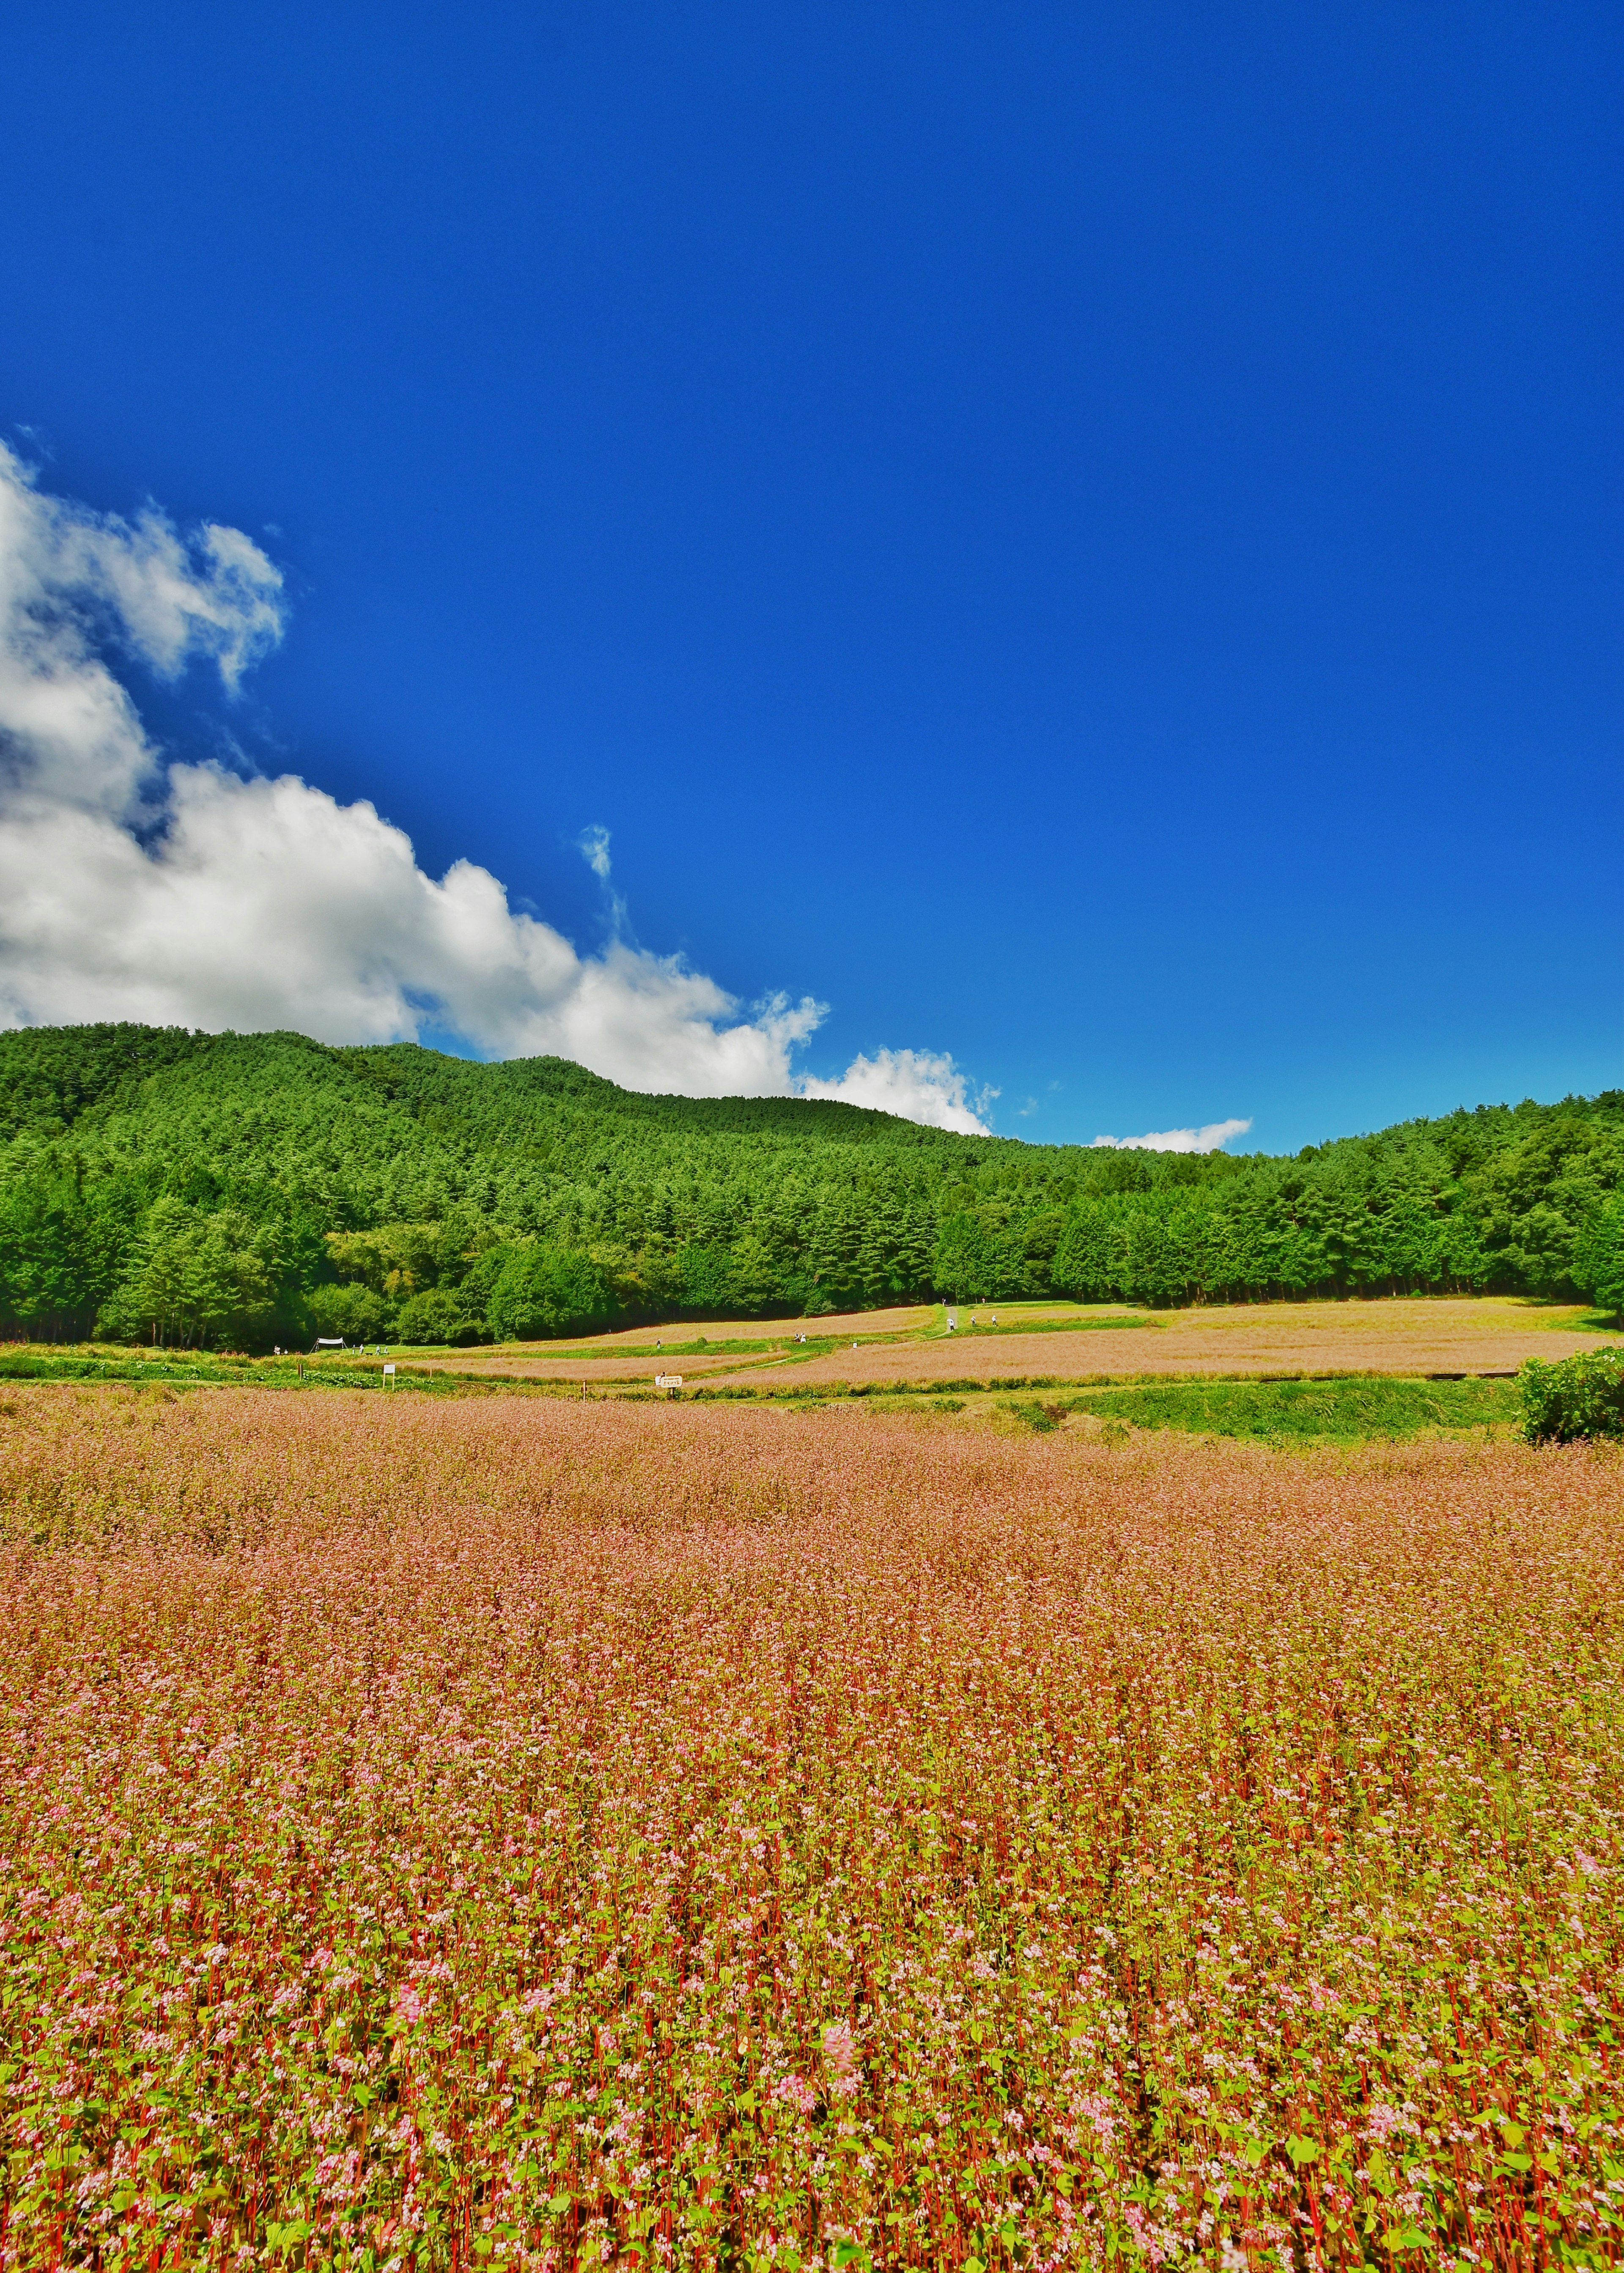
251	1188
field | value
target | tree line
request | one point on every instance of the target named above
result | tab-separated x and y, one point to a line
241	1190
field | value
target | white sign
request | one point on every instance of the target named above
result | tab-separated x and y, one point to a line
668	1381
388	1372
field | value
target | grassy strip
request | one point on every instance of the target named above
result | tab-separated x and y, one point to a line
182	1369
1354	1406
1342	1409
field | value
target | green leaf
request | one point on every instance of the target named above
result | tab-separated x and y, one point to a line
1403	2236
1302	2149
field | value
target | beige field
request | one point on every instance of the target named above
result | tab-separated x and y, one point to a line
1422	1334
685	1332
636	1353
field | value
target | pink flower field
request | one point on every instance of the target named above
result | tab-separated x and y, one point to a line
503	1832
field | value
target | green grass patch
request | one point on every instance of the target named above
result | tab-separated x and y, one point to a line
1344	1410
1034	1413
187	1369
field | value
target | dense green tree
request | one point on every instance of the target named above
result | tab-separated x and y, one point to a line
372	1180
545	1291
440	1314
353	1312
60	1254
706	1272
972	1263
1599	1263
193	1279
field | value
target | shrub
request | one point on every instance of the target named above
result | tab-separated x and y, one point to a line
1581	1396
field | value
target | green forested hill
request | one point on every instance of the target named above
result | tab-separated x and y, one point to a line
242	1188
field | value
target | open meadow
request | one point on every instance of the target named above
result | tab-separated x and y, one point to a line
445	1833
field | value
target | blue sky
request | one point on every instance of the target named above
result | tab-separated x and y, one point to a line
1084	539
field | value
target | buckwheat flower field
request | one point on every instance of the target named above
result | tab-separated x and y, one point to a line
503	1832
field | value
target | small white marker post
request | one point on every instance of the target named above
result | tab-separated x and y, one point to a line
389	1375
668	1381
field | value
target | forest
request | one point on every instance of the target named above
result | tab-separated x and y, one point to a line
246	1191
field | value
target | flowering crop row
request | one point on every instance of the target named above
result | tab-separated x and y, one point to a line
512	1834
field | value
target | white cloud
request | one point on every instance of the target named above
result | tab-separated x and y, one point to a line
1180	1140
182	894
914	1084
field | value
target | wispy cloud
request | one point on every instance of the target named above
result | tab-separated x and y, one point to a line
594	843
132	887
1206	1139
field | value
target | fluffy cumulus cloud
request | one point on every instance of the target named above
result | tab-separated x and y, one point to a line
1206	1139
914	1084
187	894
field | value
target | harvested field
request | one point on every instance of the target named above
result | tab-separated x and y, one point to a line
682	1333
636	1353
1423	1334
510	1833
682	1337
1413	1334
